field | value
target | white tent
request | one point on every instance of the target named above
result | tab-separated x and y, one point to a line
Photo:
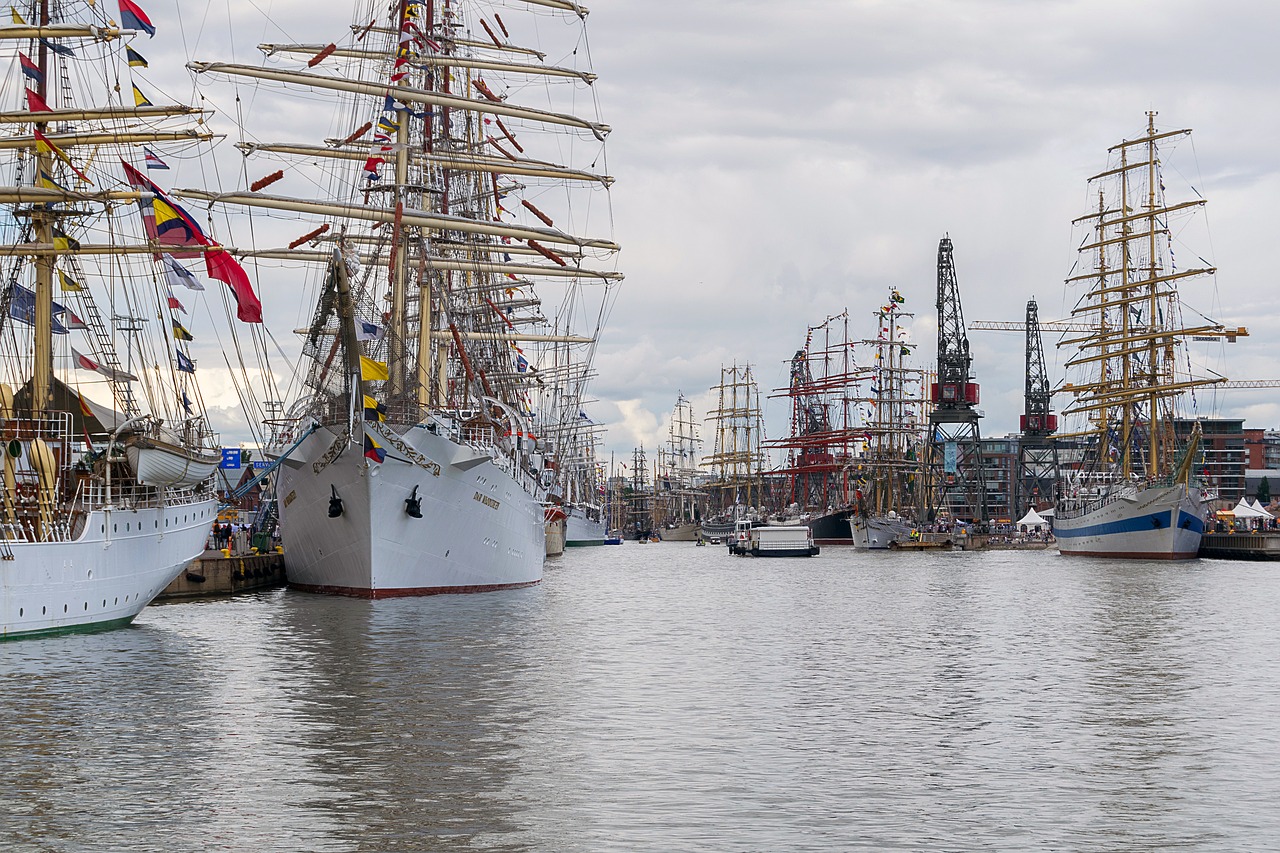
1243	510
1256	504
1032	521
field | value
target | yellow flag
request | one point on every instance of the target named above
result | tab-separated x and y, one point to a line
372	371
139	99
17	19
67	282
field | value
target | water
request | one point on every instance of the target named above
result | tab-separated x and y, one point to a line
666	698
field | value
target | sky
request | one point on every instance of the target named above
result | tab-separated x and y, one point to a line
779	163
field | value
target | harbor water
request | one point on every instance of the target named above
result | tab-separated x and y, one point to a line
667	697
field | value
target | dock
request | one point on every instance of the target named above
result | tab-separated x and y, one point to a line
215	574
1259	545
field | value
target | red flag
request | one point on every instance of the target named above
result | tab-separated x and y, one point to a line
36	104
220	265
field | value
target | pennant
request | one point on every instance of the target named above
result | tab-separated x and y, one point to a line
63	242
45	145
372	371
373	410
84	406
522	364
133	18
30	69
46	180
74	322
35	103
85	363
151	160
139	99
181	334
185	364
366	331
60	49
170	224
17	19
186	402
136	60
373	450
220	265
175	304
67	283
178	275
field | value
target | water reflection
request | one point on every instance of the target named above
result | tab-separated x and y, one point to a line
669	698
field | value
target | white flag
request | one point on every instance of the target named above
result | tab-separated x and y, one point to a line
366	331
178	275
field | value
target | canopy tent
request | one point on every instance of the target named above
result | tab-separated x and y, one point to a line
1032	519
1243	510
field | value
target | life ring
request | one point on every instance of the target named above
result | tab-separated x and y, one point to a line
26	489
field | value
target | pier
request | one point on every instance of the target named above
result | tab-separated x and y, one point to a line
216	574
1257	545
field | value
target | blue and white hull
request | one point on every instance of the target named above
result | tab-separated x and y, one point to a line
1156	523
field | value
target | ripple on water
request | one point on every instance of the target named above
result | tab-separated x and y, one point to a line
667	697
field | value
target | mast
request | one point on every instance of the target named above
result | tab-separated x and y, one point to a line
1133	317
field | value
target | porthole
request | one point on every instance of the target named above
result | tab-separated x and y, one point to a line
115	528
43	611
19	612
104	602
117	600
64	608
86	605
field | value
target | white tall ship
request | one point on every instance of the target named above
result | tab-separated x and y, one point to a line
449	286
106	489
887	471
1132	493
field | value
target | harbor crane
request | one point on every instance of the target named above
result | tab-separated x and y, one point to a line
956	483
1037	471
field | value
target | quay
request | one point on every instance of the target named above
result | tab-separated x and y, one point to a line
214	573
1254	545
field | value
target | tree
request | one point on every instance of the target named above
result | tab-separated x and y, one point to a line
1264	491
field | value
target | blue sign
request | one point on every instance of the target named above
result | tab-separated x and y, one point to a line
230	458
262	463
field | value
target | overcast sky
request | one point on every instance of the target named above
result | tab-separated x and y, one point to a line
778	163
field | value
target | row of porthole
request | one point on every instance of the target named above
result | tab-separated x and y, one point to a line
44	611
115	528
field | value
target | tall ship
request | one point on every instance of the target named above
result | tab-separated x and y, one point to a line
107	488
887	474
736	486
825	434
448	274
678	474
1133	492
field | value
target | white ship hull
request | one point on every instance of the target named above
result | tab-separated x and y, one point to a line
479	530
581	531
121	561
875	534
1161	523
